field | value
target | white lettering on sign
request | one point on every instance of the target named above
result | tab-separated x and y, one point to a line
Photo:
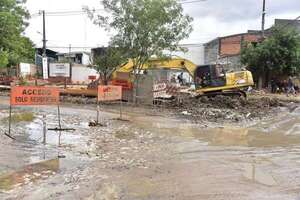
159	87
109	93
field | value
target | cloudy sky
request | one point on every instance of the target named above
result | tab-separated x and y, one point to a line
212	18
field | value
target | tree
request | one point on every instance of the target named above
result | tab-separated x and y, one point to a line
145	28
107	62
14	48
3	59
277	55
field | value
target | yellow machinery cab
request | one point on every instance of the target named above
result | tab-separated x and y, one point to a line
213	79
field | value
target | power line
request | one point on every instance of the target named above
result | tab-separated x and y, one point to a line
81	12
191	1
64	13
91	47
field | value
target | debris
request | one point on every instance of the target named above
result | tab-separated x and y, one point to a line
222	108
186	113
94	124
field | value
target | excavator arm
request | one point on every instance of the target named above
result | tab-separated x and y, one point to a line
173	63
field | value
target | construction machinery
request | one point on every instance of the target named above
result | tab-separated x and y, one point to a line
209	80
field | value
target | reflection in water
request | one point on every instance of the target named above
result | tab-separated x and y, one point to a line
229	136
255	174
282	130
29	173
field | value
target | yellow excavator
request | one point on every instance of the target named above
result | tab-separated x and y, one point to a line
209	80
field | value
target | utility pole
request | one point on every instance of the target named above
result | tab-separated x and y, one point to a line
70	53
263	19
45	59
44	34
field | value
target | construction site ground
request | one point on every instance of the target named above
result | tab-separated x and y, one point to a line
222	148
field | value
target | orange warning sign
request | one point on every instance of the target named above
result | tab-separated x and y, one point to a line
109	93
34	95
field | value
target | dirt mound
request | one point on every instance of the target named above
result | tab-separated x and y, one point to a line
225	108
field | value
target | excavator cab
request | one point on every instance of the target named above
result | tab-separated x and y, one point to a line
210	76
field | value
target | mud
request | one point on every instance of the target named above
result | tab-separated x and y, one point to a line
224	108
151	157
217	109
20	117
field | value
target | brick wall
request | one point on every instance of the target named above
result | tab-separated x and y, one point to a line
230	46
228	49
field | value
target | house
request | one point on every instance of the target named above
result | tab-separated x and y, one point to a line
51	55
227	50
82	58
287	23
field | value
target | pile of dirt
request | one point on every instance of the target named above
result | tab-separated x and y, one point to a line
225	108
78	100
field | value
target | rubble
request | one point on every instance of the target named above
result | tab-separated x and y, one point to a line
225	108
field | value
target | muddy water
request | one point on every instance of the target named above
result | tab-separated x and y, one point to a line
29	174
258	160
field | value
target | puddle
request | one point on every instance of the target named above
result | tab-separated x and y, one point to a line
255	174
20	117
229	136
35	131
276	132
29	174
142	188
124	135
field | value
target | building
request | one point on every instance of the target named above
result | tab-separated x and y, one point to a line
99	51
227	50
50	54
287	23
82	58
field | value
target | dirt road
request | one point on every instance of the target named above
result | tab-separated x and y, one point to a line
149	157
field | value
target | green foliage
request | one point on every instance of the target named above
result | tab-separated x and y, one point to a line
12	24
146	28
3	59
107	62
278	54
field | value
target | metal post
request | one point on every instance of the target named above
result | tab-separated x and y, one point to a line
44	130
263	19
98	110
44	34
9	121
59	124
121	107
58	114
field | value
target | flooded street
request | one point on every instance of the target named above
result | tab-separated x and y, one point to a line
149	157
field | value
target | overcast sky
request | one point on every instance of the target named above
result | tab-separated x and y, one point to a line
212	18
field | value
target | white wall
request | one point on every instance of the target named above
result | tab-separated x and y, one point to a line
195	53
81	74
85	59
25	69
